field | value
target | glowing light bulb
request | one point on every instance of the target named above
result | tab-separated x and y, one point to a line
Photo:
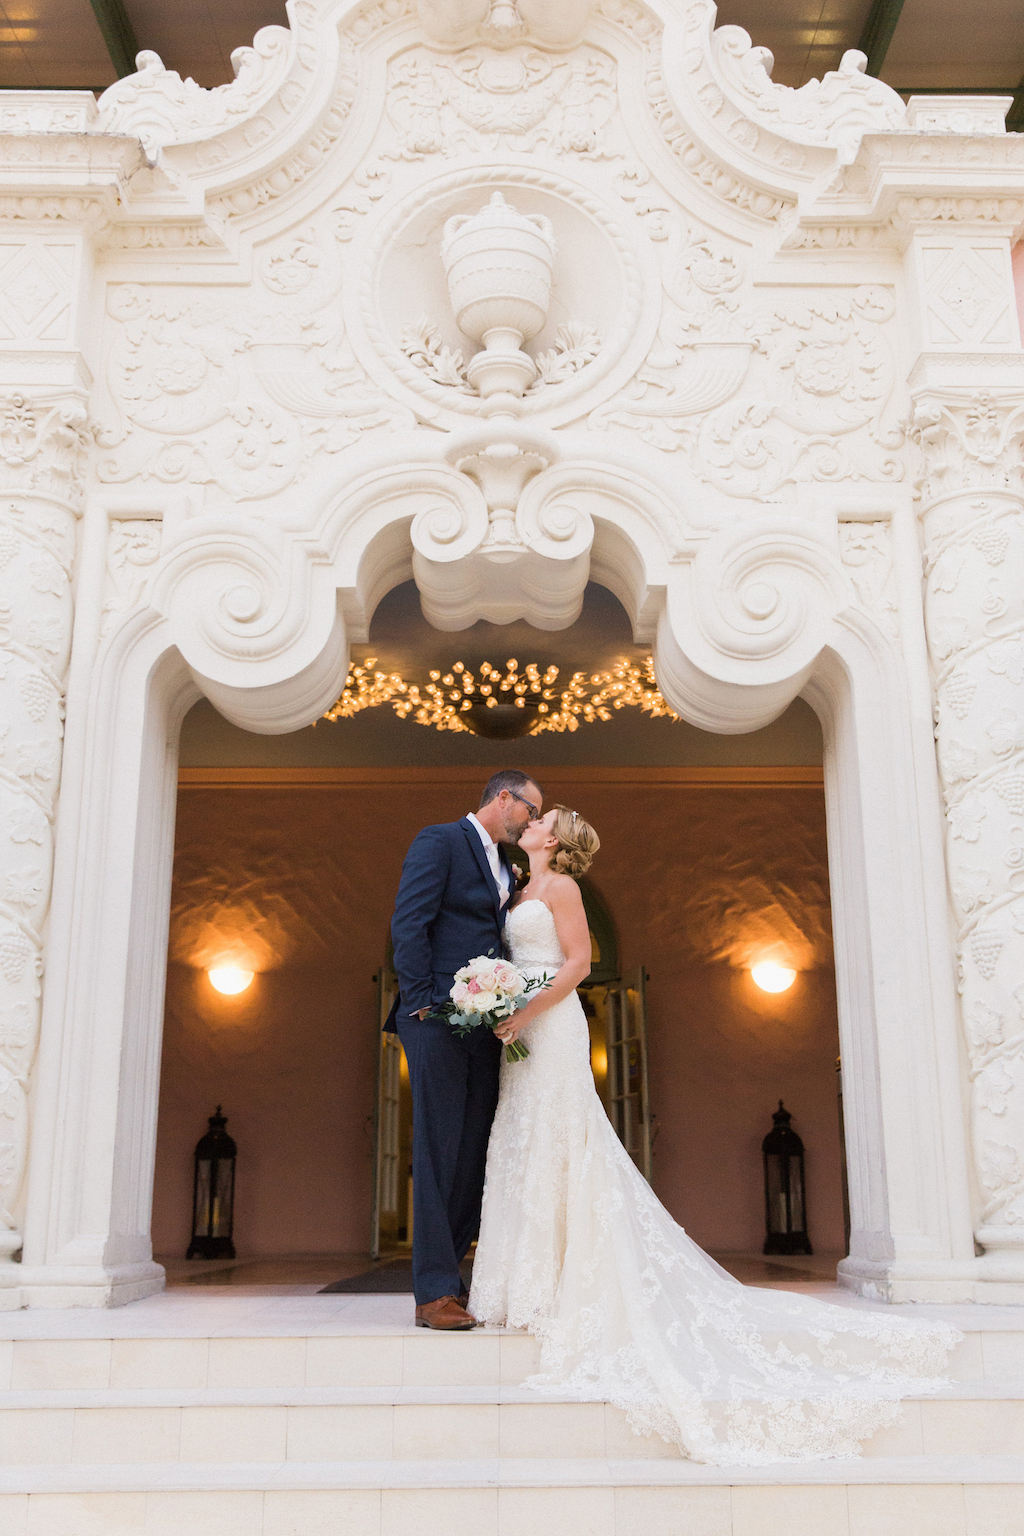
229	979
772	977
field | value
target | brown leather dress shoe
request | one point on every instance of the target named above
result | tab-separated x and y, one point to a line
445	1314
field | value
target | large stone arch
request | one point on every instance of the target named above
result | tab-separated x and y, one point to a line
88	1217
238	368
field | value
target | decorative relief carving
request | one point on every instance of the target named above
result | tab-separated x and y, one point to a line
405	319
504	21
723	180
968	294
958	114
132	552
837	237
911	213
836	110
294	171
36	546
516	100
232	397
972	504
159	107
866	553
509	540
498	263
36	276
92	212
217	128
49	112
968	444
809	382
43	445
424	347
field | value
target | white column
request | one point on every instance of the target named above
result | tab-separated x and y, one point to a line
968	421
42	446
46	275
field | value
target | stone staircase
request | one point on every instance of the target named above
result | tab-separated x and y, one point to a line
312	1419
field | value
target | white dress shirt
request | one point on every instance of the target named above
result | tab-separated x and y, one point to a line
493	858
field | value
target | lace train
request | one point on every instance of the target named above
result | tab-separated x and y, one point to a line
575	1247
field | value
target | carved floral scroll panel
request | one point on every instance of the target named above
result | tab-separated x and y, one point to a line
753	395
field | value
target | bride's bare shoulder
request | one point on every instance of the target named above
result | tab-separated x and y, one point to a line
564	890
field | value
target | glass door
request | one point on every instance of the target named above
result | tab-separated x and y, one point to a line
628	1096
617	1015
387	1122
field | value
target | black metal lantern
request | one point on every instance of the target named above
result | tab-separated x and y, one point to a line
213	1194
785	1210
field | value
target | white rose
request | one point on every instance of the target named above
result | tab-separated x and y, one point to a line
510	980
483	1002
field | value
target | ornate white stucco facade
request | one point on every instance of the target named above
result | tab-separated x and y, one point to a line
772	397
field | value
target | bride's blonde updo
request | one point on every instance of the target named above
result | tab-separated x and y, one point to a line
577	843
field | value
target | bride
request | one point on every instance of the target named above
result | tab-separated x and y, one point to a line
575	1247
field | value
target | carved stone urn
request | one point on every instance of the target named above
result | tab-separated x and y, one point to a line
498	263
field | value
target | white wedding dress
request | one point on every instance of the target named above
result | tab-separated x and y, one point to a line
575	1247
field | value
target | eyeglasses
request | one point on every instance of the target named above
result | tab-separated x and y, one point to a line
534	813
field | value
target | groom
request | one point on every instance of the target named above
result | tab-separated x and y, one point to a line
456	882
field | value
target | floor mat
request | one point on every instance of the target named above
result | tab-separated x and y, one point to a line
389	1278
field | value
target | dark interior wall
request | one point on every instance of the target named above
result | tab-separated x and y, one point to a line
300	882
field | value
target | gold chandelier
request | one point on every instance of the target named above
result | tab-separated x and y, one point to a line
520	701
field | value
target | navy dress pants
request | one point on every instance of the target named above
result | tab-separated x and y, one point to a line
454	1095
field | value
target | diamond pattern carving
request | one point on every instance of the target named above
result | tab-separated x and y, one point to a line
967	297
35	281
30	291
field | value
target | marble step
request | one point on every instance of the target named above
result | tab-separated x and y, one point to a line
441	1425
393	1357
910	1496
410	1358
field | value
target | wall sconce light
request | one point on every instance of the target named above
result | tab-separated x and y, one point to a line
229	979
772	977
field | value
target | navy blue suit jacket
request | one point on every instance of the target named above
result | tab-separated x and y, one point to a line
447	912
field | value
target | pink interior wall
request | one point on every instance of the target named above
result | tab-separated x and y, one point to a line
1018	279
699	881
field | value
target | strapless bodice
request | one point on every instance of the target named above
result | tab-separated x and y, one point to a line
532	936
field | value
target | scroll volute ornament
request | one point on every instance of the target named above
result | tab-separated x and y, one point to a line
744	624
499	266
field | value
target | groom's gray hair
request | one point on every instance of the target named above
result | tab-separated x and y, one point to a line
512	779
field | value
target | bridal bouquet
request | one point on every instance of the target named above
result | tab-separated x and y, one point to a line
488	991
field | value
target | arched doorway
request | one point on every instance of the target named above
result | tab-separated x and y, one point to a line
677	823
91	1190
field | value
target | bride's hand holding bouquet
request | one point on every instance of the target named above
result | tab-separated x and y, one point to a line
490	992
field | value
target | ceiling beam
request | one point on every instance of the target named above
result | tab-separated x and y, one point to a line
1015	116
877	33
118	34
